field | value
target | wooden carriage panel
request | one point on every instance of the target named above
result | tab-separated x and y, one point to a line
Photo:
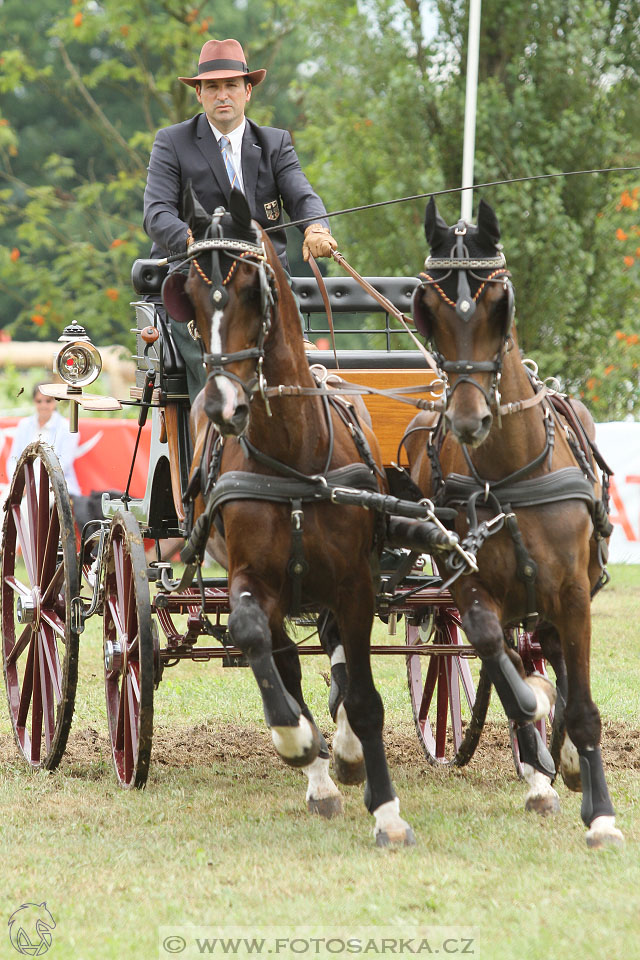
390	418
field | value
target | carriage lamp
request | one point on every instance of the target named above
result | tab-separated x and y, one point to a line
78	363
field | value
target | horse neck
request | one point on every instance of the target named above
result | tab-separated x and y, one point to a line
296	431
515	439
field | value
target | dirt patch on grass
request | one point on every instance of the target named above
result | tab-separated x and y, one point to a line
210	743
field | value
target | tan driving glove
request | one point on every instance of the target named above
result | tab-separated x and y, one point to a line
318	242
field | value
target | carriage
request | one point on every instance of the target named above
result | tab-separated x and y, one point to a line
151	621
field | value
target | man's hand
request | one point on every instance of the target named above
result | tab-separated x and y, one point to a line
318	242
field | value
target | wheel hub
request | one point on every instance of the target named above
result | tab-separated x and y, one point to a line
28	609
113	659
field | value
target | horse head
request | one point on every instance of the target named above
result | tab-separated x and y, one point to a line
465	306
228	298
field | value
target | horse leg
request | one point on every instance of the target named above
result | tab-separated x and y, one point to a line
365	714
323	797
525	700
538	766
296	739
549	640
582	720
348	759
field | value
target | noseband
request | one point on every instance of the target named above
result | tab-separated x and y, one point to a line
238	251
465	307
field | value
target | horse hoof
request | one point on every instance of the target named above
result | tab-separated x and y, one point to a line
327	807
349	772
572	780
402	837
604	833
544	806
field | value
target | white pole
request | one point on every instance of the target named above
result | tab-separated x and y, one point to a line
469	145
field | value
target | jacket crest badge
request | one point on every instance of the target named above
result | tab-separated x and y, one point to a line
272	209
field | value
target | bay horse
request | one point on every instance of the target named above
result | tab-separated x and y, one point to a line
529	495
284	543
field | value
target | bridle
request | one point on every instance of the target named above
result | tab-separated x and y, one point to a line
465	307
255	255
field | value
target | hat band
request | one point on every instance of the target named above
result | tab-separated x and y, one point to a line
223	65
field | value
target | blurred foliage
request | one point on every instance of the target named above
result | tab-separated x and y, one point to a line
375	100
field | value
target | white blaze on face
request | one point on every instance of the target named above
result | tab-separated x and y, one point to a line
224	385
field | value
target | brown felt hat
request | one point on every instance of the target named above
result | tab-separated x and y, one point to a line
223	58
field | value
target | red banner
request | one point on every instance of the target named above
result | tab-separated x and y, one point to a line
105	452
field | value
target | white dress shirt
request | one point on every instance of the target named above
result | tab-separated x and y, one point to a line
235	138
54	432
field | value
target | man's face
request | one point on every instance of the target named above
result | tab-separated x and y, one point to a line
224	101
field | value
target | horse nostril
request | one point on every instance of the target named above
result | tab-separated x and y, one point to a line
241	412
485	425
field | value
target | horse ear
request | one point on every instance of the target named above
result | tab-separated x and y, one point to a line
488	222
422	316
193	212
435	228
239	209
176	299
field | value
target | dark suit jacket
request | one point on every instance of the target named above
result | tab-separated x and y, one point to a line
271	173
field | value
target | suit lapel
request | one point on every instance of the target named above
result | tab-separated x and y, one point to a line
251	156
208	146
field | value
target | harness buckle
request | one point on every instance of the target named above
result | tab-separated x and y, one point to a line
262	387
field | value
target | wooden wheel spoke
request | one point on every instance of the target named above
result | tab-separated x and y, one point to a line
52	660
133	692
51	618
126	732
429	687
46	692
135	686
36	706
119	734
26	545
118	557
114	610
20	646
133	647
27	688
48	569
17	587
43	517
455	706
442	704
55	583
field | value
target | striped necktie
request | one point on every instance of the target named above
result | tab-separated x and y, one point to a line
225	146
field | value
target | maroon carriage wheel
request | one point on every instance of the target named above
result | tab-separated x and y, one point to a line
533	661
128	651
39	572
439	684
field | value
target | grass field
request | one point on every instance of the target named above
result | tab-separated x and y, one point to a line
221	837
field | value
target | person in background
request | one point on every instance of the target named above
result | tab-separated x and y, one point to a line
50	426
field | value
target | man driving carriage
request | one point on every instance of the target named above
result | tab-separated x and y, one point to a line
215	150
